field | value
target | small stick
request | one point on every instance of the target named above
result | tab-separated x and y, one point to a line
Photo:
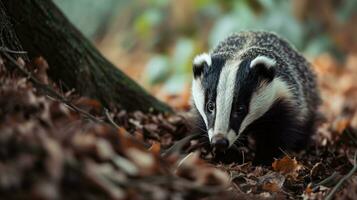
327	180
111	121
339	184
4	49
107	114
284	152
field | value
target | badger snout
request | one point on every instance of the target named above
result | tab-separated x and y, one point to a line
220	143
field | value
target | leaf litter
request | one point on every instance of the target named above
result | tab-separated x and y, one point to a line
50	151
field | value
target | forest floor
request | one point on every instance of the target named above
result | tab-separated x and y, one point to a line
75	149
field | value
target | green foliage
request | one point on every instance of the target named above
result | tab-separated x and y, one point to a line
145	23
174	31
157	69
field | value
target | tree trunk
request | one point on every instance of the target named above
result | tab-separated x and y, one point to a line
8	38
74	62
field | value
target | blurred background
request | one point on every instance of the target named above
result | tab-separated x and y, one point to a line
154	41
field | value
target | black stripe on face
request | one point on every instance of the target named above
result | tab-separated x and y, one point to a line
247	81
209	83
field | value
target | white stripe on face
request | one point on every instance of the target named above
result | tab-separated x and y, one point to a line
232	137
263	99
198	94
200	59
210	134
224	99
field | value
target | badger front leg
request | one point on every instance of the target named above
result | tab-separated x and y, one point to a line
266	150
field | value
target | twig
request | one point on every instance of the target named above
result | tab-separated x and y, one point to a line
115	125
107	114
127	134
47	89
339	184
284	152
326	181
4	49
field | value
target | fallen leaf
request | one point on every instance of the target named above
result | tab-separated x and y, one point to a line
271	187
213	176
155	148
91	105
308	190
144	160
318	171
287	166
341	124
271	182
41	69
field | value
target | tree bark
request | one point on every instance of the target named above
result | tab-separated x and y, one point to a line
43	30
8	38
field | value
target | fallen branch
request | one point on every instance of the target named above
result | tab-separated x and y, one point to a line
339	184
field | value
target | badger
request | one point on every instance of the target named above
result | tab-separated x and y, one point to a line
255	84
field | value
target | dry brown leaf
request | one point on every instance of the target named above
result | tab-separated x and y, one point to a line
193	168
91	105
286	165
41	69
139	135
354	121
271	187
308	190
144	160
21	62
341	124
271	182
318	171
192	159
213	176
155	148
185	167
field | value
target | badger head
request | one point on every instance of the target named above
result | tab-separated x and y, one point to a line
231	93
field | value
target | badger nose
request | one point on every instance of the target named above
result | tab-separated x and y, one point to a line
219	142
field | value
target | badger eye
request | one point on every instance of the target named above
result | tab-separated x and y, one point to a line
240	111
210	106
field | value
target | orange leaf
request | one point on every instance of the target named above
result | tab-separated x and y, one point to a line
155	148
308	189
88	104
127	141
286	165
139	136
341	125
271	187
122	132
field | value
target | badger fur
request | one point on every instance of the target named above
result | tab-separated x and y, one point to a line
255	84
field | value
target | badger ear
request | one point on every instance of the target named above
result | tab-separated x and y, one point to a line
201	62
264	66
